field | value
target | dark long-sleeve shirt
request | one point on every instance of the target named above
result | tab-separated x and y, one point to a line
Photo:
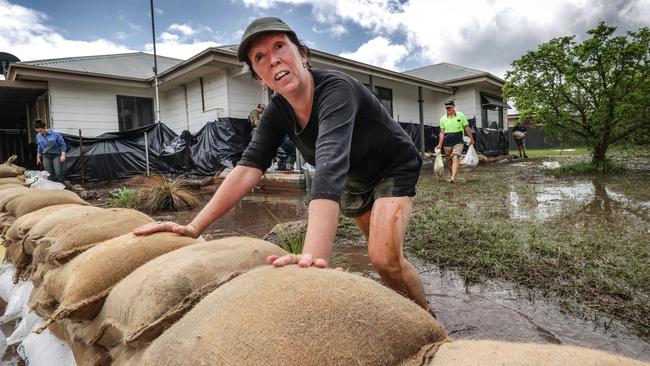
350	137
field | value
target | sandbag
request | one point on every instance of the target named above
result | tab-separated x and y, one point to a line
42	198
21	226
10	185
439	165
470	353
84	355
10	194
13	180
80	286
77	235
49	222
45	350
9	169
295	316
160	292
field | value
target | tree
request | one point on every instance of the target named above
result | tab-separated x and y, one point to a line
597	91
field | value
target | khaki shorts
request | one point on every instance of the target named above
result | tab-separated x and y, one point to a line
455	150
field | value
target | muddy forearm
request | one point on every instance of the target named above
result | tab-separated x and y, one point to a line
321	228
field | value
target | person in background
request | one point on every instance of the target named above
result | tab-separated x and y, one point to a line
519	135
254	117
452	125
50	150
366	165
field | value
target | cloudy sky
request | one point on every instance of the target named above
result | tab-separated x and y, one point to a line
398	35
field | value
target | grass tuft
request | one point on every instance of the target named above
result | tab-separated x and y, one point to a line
161	194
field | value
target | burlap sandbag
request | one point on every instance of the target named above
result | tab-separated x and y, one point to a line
49	222
10	185
38	199
295	316
471	353
160	292
84	355
21	226
77	235
9	169
7	195
6	220
80	286
13	180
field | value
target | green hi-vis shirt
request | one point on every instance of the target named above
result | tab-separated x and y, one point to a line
453	124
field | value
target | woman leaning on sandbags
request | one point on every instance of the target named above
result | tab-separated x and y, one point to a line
366	165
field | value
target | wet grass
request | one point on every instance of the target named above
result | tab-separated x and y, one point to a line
542	153
596	269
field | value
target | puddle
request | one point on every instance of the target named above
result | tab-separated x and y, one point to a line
498	310
255	215
586	201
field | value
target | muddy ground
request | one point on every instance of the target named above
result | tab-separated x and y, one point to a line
510	252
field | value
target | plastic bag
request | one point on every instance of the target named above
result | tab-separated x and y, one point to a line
471	158
7	270
45	349
28	322
439	165
46	184
18	298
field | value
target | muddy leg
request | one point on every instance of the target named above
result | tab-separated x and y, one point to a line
389	218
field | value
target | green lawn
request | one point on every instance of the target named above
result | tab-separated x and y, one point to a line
542	153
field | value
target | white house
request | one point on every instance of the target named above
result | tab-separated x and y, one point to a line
98	94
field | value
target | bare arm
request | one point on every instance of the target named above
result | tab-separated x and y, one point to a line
321	230
441	137
237	184
468	132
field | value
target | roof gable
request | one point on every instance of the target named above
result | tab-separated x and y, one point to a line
444	71
137	65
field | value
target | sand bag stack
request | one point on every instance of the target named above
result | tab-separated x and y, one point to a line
11	173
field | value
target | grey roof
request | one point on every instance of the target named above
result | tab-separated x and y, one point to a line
444	71
137	65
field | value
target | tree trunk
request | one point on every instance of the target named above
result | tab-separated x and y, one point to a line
600	152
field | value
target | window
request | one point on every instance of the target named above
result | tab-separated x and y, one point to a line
134	112
385	97
492	112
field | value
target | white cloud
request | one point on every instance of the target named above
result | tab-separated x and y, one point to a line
184	29
483	34
182	41
23	33
335	31
158	11
379	52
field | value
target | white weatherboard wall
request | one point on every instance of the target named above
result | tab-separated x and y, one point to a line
182	107
91	107
244	94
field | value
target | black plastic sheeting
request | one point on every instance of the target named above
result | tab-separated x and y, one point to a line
217	145
119	155
489	142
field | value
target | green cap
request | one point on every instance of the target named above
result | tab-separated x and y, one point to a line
257	28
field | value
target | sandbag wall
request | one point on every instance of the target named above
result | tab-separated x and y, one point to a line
88	292
113	297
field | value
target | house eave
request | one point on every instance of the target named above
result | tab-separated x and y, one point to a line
41	73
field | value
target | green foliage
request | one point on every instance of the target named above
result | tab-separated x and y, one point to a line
596	91
122	197
292	242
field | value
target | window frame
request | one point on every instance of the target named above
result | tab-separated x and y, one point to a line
138	112
484	112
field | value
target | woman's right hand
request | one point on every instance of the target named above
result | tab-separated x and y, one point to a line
154	227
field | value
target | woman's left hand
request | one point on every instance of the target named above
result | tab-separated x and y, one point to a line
302	260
